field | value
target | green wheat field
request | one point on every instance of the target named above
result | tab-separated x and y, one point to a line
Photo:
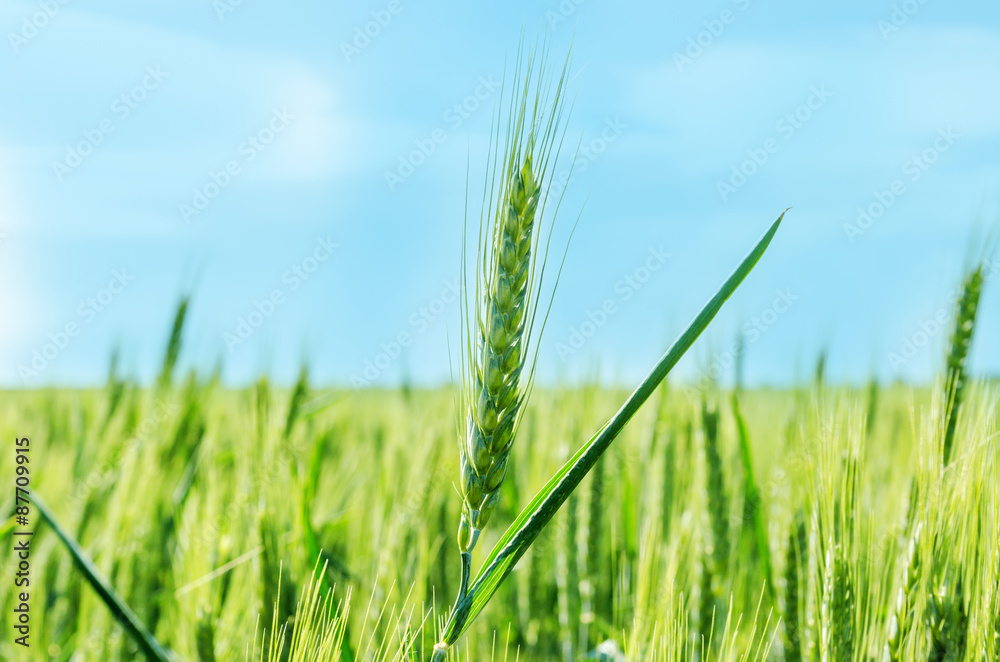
820	523
184	520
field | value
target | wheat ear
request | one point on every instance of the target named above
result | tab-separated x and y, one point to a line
948	623
837	641
715	487
506	300
205	635
705	617
961	340
493	415
797	549
899	618
996	604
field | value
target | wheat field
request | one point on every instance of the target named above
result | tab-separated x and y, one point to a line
213	513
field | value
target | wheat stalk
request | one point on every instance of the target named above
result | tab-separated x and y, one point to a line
498	366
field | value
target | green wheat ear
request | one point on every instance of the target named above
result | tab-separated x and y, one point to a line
715	489
948	623
899	619
507	287
838	608
996	603
961	340
500	359
795	553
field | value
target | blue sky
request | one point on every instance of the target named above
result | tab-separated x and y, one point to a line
117	118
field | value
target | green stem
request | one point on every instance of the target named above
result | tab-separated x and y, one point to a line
466	575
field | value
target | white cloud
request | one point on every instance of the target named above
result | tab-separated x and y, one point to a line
318	143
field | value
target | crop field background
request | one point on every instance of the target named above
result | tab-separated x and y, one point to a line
212	510
538	331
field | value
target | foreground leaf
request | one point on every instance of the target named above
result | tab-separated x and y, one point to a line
121	611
